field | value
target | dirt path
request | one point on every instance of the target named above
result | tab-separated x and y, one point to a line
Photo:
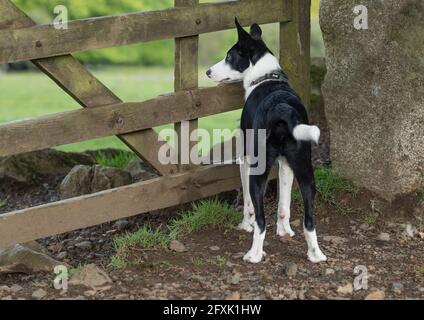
212	267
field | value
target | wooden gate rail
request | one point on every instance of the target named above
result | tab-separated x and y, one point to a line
104	32
49	49
63	216
90	123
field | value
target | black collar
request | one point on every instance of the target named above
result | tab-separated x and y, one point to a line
277	75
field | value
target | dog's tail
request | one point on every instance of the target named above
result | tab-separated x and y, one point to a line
287	114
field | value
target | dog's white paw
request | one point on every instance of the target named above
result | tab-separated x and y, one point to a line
284	231
316	256
245	226
254	256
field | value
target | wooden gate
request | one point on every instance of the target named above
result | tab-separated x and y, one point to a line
104	114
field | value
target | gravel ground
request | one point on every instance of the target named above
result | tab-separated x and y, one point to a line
212	266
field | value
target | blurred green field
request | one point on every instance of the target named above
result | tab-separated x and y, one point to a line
30	94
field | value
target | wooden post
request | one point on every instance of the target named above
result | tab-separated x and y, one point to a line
186	77
295	37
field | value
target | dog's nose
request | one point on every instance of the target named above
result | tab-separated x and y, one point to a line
208	73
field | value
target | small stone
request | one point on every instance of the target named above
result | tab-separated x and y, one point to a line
329	271
61	255
90	293
229	264
410	230
376	295
383	236
364	227
39	294
335	239
15	288
291	269
90	276
397	287
296	223
238	255
177	246
346	289
83	245
214	248
233	296
121	224
121	296
235	279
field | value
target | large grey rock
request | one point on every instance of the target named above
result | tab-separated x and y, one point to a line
28	167
374	93
89	179
26	258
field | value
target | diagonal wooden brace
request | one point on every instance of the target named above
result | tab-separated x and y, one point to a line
87	90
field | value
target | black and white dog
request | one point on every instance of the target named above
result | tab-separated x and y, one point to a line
271	104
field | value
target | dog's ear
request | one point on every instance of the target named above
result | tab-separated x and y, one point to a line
256	31
242	34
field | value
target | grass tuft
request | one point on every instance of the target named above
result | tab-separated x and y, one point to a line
371	218
2	203
144	238
204	214
210	213
421	195
328	184
120	161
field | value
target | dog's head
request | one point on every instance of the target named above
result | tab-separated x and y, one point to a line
248	50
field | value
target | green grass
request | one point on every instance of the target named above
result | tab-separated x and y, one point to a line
120	161
31	94
145	238
371	218
204	214
328	184
2	203
420	192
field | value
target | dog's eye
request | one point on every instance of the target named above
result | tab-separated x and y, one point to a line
228	58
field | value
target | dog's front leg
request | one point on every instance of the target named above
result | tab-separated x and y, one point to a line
248	210
257	189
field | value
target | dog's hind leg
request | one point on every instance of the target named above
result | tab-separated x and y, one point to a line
300	162
248	210
257	190
285	181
